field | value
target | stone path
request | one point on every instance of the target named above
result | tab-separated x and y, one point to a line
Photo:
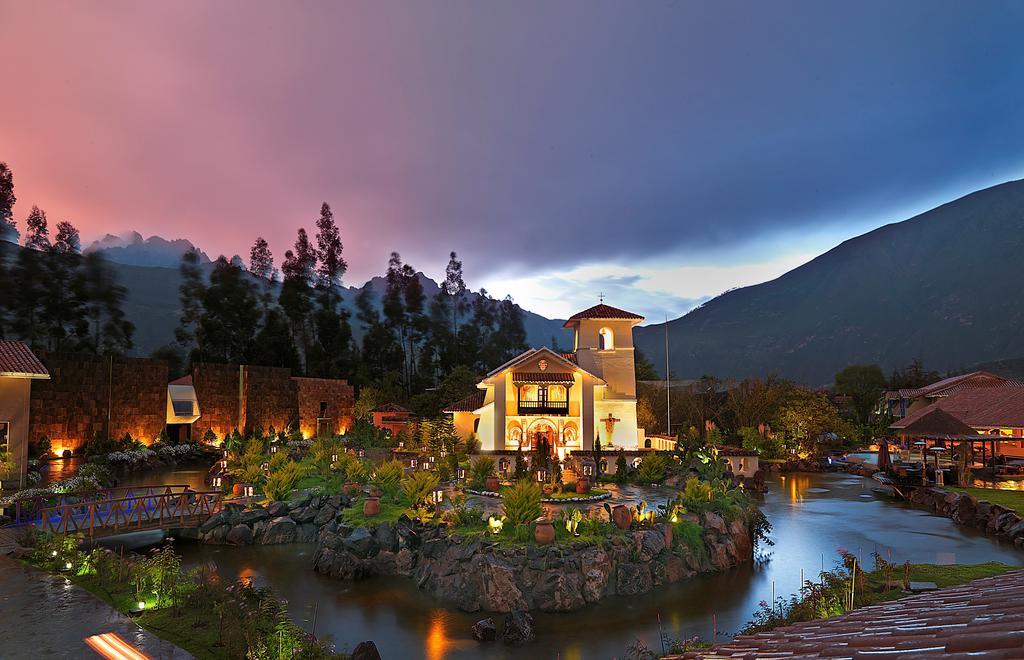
45	616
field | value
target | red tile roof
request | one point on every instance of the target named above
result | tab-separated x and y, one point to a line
603	311
729	450
184	380
571	357
391	407
469	404
18	360
993	407
980	619
934	422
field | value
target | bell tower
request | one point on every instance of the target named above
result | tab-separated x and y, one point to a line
603	338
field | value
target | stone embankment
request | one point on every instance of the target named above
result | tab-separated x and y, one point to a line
297	521
481	575
966	509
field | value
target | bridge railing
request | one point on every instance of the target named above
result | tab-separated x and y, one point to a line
27	512
125	514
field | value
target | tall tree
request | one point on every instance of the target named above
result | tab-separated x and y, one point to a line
329	249
261	260
8	229
37	234
230	317
109	330
295	299
455	286
863	384
190	294
63	301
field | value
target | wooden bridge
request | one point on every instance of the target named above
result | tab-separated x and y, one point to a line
120	511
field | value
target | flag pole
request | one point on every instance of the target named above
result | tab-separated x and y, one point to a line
668	386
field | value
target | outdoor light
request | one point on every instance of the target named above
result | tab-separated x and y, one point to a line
224	465
401	444
225	453
427	465
273	449
495	524
142	604
462	473
217	482
438	495
588	470
67	565
541	475
334	458
362	453
249	491
412	463
53	553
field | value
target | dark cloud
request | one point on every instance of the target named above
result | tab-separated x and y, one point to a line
529	137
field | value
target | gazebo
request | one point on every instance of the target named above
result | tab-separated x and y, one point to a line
936	426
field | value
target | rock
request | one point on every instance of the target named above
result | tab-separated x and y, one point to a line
360	543
518	628
277	509
280	530
386	537
632	579
325	516
499	590
714	522
240	535
306	533
252	516
305	514
649	543
220	518
365	651
741	538
218	535
484	630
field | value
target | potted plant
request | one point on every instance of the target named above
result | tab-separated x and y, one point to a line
350	488
544	532
622	516
492	483
582	485
371	506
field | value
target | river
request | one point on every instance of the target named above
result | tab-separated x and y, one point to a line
812	514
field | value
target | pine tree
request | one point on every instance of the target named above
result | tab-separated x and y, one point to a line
191	294
261	260
8	229
329	249
63	305
110	331
230	316
296	295
455	286
37	234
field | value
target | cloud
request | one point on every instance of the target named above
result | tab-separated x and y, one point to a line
544	143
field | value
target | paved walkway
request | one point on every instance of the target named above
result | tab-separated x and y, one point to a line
45	616
980	619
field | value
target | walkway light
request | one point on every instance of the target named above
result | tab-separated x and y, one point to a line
334	457
273	449
542	475
362	453
217	482
412	463
588	470
495	524
142	604
461	473
250	490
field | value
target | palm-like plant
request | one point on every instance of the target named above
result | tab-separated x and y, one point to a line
418	488
521	503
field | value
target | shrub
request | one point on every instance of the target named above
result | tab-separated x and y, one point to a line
39	448
96	472
697	495
281	483
388	477
621	469
418	488
652	469
460	514
521	503
480	468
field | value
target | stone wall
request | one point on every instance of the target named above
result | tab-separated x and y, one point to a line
337	394
73	405
479	575
269	398
968	510
297	521
217	390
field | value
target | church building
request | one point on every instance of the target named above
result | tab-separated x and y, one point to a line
563	401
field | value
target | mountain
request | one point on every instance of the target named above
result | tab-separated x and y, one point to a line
944	286
132	250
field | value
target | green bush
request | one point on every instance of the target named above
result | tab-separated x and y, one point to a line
621	469
697	495
521	503
480	468
652	469
418	488
388	477
280	484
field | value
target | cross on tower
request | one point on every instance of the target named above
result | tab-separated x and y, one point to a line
609	424
600	297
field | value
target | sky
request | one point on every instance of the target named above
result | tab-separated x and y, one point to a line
659	153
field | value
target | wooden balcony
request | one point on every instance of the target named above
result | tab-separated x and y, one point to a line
543	407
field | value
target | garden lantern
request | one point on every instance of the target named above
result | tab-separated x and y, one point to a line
217	482
588	470
461	473
362	453
401	444
437	496
542	475
427	465
225	453
412	463
250	490
265	466
273	449
334	458
224	464
495	524
141	604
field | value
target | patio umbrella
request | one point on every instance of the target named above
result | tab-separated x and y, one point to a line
884	462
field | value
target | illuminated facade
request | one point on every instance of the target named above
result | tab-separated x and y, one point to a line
564	402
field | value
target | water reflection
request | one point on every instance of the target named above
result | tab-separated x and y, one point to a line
812	515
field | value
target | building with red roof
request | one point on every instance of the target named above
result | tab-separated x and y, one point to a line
19	367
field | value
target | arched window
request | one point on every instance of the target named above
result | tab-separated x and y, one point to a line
647	443
606	339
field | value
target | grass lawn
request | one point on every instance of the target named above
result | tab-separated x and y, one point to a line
594	492
1011	499
943	575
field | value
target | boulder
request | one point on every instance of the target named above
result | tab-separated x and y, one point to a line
218	535
305	514
360	543
386	537
632	579
518	628
240	535
365	651
306	533
277	509
558	591
499	587
324	516
222	517
713	521
280	530
251	516
484	630
649	543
